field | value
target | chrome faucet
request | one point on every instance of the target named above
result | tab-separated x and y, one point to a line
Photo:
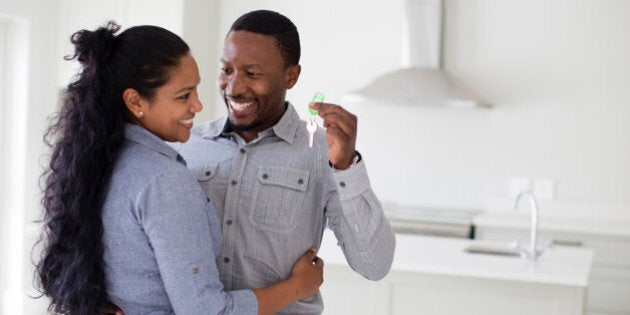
533	253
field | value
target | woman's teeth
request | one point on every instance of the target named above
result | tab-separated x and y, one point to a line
240	106
187	121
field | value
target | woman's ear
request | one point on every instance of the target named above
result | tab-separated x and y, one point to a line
134	102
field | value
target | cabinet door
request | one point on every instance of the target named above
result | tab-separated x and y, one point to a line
408	293
609	289
346	292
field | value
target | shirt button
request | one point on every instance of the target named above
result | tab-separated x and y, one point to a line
233	182
300	181
228	222
242	150
208	199
265	176
226	260
208	173
342	184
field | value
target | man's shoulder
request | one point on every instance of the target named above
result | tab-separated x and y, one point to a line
209	128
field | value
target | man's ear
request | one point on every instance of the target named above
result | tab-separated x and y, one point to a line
293	73
134	102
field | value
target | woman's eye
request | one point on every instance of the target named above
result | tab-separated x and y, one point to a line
185	96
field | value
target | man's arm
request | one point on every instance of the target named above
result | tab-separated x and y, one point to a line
354	212
356	217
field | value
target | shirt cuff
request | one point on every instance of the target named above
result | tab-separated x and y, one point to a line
352	182
355	161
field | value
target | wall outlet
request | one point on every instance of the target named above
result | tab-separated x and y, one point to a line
518	185
544	188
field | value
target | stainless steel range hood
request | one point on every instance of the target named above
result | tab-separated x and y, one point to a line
421	80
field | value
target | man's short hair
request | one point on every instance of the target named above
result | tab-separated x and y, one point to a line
277	25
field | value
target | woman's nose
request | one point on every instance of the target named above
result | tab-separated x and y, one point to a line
196	106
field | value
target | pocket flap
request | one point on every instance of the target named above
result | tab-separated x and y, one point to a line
284	177
207	172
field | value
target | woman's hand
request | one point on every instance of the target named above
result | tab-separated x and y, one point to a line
307	275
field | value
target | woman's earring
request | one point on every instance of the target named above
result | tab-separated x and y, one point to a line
141	114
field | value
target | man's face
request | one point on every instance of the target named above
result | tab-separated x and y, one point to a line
254	80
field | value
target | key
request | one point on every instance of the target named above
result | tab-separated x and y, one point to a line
311	126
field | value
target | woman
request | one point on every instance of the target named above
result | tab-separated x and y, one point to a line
125	219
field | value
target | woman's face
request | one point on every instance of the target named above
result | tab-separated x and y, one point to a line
169	114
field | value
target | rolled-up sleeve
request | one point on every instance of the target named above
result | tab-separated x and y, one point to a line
356	216
179	223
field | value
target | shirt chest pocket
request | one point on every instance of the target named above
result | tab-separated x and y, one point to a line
213	182
278	197
207	172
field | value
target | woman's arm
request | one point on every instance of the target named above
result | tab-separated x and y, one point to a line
306	277
184	234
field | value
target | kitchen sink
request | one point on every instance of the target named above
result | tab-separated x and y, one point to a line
492	250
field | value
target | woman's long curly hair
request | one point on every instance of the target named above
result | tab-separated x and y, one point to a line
85	137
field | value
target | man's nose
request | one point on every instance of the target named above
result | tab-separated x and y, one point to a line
234	85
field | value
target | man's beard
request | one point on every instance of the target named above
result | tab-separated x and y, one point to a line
238	128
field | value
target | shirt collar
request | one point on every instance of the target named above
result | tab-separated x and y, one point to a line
144	137
285	129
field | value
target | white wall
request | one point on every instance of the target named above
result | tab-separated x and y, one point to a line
194	20
555	72
344	43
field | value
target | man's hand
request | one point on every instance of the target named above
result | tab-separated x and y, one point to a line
341	133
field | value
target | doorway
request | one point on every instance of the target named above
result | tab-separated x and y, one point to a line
14	37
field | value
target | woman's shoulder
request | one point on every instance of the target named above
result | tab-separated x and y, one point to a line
141	163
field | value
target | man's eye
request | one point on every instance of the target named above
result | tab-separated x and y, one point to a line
252	74
226	70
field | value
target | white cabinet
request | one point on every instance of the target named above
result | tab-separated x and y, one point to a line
609	282
434	275
405	293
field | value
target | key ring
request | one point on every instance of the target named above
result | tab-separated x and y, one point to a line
317	98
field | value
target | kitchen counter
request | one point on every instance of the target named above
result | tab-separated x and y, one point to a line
441	255
608	236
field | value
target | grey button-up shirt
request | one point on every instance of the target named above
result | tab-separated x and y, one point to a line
161	236
274	196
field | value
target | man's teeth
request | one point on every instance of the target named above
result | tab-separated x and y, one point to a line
240	106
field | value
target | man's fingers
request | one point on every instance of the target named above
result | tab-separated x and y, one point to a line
327	108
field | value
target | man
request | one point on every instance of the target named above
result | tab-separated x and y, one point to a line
273	194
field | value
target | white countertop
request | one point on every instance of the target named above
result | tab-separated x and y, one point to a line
446	256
